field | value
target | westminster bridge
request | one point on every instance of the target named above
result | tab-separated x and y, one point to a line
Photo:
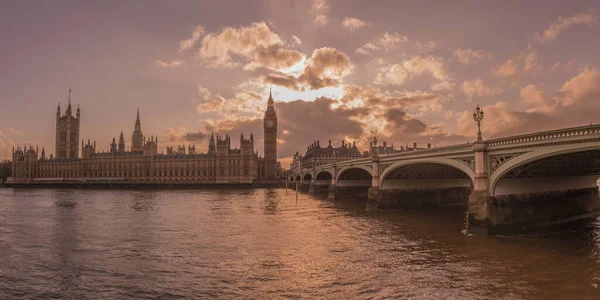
508	184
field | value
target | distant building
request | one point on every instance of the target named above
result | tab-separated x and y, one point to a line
414	147
316	155
384	149
381	150
296	164
142	163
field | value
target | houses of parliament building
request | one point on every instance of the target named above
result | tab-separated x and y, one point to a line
142	163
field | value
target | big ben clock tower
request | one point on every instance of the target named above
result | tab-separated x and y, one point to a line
270	129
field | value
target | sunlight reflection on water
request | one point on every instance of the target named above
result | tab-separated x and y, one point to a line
264	244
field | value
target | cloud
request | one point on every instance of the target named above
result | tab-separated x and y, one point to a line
471	56
508	69
563	24
243	104
538	100
378	100
531	61
526	61
321	20
203	93
581	92
195	136
164	64
574	104
476	87
358	115
274	58
1	133
401	123
582	89
296	40
15	132
567	66
398	74
189	43
386	42
304	121
326	67
442	85
353	24
253	46
181	136
319	10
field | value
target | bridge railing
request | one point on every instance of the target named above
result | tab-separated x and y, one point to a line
467	147
539	137
574	132
445	149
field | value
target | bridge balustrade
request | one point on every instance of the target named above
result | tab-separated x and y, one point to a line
562	167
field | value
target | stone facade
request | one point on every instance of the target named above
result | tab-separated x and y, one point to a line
67	132
142	163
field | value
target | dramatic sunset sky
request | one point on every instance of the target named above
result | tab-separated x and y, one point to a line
406	71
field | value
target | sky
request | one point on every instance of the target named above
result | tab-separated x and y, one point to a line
404	71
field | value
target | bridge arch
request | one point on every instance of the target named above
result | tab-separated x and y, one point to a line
464	168
323	175
307	177
355	176
535	169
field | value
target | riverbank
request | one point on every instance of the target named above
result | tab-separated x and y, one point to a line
141	185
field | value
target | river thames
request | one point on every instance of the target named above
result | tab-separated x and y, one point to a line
262	243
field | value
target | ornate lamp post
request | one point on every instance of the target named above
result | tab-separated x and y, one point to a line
375	150
478	116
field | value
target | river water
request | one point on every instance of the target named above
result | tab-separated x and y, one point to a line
262	243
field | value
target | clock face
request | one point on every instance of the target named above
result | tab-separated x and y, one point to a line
270	123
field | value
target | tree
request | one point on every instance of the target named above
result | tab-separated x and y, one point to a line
5	170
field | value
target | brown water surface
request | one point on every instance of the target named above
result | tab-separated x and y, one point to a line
253	244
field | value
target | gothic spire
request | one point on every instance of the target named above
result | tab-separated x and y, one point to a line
68	112
138	124
270	101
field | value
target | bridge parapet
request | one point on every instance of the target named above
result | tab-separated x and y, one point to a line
553	136
458	149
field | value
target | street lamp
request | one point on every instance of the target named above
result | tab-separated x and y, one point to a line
478	116
375	150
